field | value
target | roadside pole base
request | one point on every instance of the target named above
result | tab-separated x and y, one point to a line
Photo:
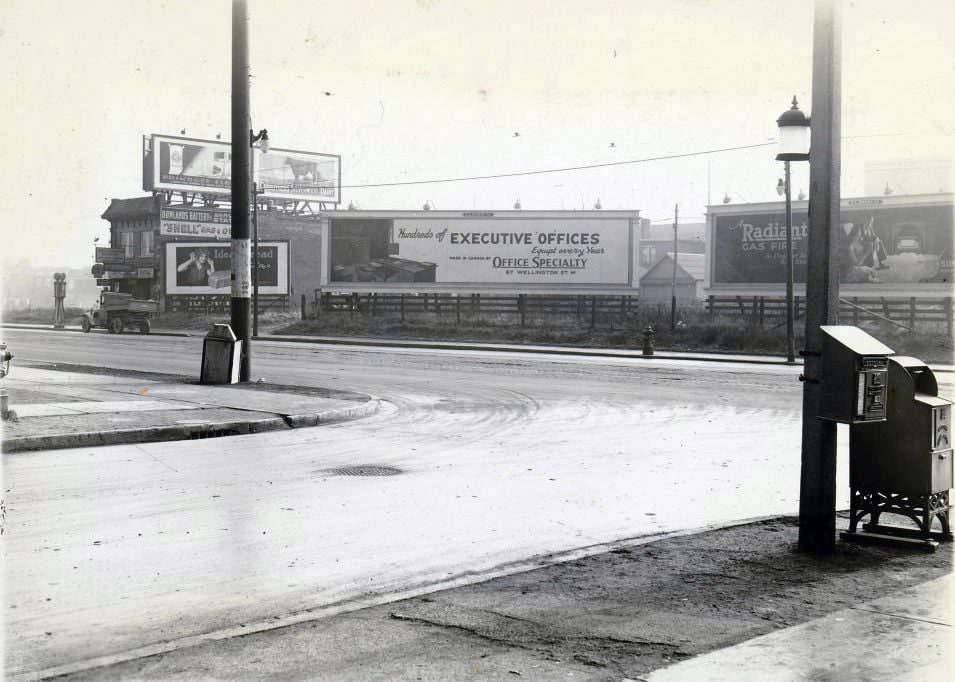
890	539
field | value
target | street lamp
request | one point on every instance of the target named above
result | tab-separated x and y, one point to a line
793	146
262	138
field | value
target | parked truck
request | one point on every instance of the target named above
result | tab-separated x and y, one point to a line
117	312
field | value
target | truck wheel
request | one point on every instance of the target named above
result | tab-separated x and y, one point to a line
86	326
144	326
116	325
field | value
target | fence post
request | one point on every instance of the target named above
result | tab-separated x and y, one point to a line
710	304
762	310
401	305
885	308
855	311
520	306
457	310
304	311
593	312
437	305
912	313
948	315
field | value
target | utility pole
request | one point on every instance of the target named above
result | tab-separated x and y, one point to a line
817	484
676	220
241	153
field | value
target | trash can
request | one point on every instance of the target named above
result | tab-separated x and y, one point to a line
903	466
220	356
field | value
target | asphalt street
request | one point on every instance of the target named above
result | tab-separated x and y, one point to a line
498	460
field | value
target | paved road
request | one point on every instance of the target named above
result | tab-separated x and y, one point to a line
503	458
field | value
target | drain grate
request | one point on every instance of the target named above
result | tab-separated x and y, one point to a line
365	470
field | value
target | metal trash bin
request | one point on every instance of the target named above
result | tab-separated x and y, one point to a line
220	356
903	465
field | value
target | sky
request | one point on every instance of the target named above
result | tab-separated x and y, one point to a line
410	90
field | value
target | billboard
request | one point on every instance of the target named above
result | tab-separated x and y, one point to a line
206	268
480	251
191	165
879	244
197	223
298	176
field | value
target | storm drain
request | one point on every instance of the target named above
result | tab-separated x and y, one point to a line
365	470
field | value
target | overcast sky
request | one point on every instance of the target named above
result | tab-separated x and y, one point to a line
429	89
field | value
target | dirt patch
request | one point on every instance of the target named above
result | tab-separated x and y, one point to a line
620	614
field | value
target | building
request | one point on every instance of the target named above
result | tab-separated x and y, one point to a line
180	254
659	285
656	240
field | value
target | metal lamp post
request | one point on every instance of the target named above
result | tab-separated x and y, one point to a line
793	146
263	144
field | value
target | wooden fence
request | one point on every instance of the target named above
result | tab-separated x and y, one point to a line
521	308
909	312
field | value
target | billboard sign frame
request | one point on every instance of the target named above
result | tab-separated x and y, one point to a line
187	164
505	251
186	268
901	243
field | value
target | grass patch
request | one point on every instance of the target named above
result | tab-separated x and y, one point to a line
42	315
697	332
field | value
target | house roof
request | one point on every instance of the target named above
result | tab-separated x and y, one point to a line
686	268
693	263
125	208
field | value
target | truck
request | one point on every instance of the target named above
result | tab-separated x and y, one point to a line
117	311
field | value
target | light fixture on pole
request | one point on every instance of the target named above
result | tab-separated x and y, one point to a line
262	138
793	146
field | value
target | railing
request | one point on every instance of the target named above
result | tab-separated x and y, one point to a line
908	312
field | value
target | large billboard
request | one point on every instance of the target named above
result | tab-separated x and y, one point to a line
481	250
206	268
191	165
878	244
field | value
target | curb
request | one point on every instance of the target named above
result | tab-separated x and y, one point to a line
156	434
79	330
586	352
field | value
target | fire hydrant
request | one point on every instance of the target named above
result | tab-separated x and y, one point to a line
648	336
5	358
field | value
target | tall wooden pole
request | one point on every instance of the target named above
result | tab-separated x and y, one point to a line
817	485
241	153
676	221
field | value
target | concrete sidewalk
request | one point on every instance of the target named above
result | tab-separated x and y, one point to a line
906	635
91	406
733	603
